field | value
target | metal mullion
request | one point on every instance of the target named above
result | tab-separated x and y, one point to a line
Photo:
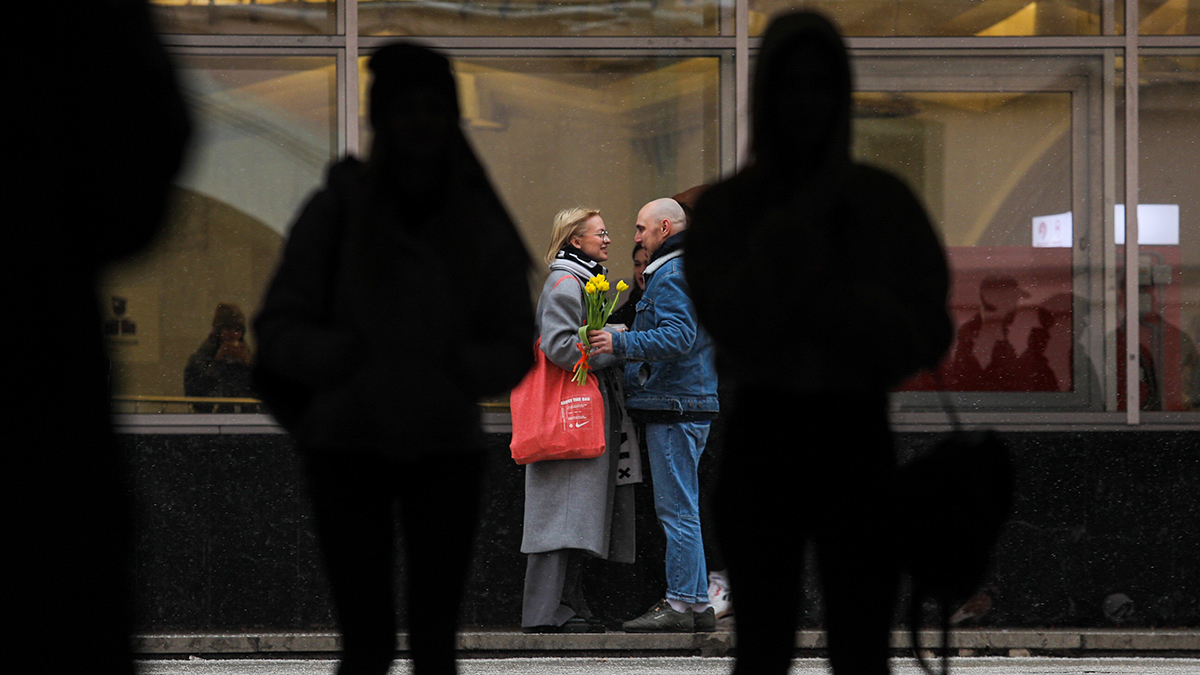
992	52
348	114
741	77
1132	332
293	41
246	50
727	17
926	422
492	52
1088	184
1169	41
1108	17
912	422
552	43
728	97
1066	42
1111	359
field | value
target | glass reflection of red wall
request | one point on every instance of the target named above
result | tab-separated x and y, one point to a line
1012	311
1167	354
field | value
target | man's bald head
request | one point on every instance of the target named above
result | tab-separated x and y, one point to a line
657	221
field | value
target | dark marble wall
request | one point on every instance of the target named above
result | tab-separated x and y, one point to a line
1105	532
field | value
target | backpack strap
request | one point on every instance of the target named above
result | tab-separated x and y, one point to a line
914	621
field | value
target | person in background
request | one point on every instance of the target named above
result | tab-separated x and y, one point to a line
824	285
624	314
375	347
221	367
671	388
573	507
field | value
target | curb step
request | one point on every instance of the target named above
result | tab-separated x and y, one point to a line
515	643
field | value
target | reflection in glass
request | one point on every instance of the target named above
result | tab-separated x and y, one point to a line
539	17
264	133
609	132
1169	17
989	167
258	17
1168	273
990	18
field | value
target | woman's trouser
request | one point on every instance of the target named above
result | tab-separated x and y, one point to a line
354	495
808	468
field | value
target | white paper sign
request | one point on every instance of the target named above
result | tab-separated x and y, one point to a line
1053	231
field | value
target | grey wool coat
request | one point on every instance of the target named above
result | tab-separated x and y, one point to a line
576	503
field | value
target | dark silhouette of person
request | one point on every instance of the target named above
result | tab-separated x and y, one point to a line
376	339
103	132
221	366
824	285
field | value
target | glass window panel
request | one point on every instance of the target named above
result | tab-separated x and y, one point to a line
1169	234
609	133
257	17
1169	17
995	172
264	132
943	17
543	17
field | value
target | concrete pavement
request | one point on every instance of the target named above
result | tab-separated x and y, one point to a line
684	666
500	643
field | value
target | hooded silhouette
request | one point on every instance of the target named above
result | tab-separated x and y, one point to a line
377	339
98	151
823	285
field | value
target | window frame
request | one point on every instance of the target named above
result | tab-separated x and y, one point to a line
735	49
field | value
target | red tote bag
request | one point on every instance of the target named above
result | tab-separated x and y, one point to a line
554	418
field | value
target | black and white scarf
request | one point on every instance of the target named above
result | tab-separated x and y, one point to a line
579	263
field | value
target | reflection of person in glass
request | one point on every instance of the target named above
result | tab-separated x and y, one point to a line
824	285
221	368
984	356
401	300
1168	361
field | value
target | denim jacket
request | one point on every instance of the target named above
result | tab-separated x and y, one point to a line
669	358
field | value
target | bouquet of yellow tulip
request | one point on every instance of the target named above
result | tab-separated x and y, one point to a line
599	307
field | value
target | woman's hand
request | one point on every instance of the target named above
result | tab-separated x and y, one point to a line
600	342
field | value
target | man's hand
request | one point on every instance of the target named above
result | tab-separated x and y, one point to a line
600	342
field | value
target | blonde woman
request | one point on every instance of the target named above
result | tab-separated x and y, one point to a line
573	508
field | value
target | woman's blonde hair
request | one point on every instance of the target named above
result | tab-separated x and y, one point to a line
568	223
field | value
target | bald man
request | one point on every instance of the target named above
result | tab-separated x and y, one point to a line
671	387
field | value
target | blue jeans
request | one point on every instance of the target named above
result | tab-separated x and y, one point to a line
675	451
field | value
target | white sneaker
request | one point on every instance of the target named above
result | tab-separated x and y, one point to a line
718	594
